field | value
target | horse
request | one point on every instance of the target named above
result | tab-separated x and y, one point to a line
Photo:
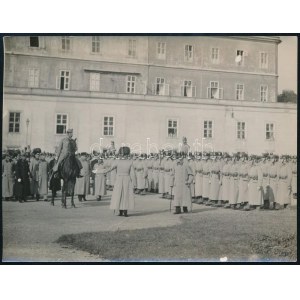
68	171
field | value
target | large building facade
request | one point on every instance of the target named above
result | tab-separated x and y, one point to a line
146	92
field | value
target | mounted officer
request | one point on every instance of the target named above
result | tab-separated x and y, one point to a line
67	146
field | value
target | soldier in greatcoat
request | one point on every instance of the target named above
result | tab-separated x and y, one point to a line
191	162
7	178
243	182
233	182
43	177
168	170
82	186
198	178
214	180
225	179
181	179
141	175
294	177
34	171
255	190
273	181
206	177
100	178
265	182
22	174
284	183
149	164
161	175
155	173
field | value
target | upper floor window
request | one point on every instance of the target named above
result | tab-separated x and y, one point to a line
161	50
263	93
63	80
172	128
14	122
270	131
108	126
239	92
65	43
132	48
188	90
130	87
215	55
241	130
33	78
263	61
34	41
94	81
240	57
208	129
160	87
214	91
96	44
188	53
61	123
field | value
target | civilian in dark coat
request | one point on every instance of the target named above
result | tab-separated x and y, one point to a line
22	173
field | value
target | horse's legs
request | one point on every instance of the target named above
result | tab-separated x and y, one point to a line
72	200
64	197
52	199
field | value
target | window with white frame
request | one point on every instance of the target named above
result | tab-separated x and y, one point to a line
269	131
215	55
108	126
172	128
61	123
240	55
95	44
208	129
188	90
214	91
95	82
34	42
14	122
263	61
188	52
63	80
263	93
160	87
132	48
65	43
33	78
239	92
241	130
130	86
161	50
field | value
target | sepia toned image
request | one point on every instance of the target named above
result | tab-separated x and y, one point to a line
144	148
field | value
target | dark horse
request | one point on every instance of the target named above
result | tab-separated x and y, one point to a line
68	171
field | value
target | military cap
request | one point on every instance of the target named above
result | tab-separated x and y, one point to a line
70	130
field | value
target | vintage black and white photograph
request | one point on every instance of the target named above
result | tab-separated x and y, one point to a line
149	148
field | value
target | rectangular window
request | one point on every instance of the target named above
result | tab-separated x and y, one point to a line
270	131
187	90
208	129
108	126
160	87
188	53
95	82
161	50
132	48
263	93
63	81
14	122
61	123
34	41
213	91
65	43
241	133
130	88
33	78
215	55
172	128
263	62
239	92
96	44
239	59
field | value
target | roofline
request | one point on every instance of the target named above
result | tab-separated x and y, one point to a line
268	39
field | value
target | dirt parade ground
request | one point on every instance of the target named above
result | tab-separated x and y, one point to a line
37	232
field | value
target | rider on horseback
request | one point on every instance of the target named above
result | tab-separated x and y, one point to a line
67	147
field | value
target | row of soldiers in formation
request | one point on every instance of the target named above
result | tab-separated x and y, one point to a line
238	181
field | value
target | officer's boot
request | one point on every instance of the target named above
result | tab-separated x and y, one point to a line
125	213
143	192
185	210
37	197
120	213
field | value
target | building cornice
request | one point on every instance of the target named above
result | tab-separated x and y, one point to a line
98	98
189	68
